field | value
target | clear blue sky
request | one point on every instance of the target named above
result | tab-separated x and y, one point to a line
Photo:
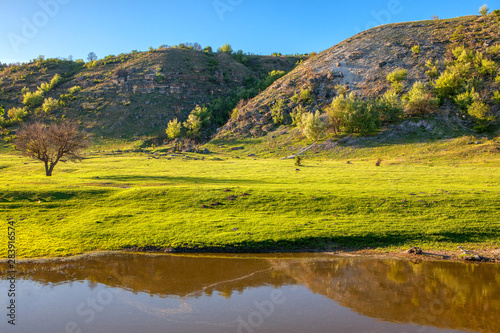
59	28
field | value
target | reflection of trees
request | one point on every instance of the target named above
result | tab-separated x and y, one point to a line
159	275
444	294
441	294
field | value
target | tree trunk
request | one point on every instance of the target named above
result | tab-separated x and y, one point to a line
48	170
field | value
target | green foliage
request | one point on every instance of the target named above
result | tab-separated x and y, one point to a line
419	101
193	126
226	48
484	10
496	97
50	104
312	126
298	160
159	77
458	34
433	71
271	77
33	100
203	113
277	111
173	130
241	57
486	67
462	54
389	107
208	49
44	88
479	111
304	97
448	83
415	49
56	80
25	90
296	115
396	77
17	114
74	90
353	114
465	99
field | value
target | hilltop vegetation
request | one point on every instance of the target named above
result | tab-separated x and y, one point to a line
133	96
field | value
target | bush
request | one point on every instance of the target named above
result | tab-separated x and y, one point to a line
464	100
277	111
419	101
298	160
484	10
56	80
203	113
416	49
433	69
226	48
17	114
496	97
396	76
479	111
50	104
304	97
296	115
448	83
25	90
389	107
173	130
486	67
74	90
312	126
354	115
193	126
33	100
44	88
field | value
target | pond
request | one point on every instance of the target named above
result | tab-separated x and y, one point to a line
127	293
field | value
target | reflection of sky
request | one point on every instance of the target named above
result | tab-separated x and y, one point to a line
49	308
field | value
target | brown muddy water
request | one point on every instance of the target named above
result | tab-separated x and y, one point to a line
125	293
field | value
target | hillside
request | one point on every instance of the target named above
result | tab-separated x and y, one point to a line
134	95
361	64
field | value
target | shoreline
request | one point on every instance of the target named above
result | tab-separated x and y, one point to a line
482	256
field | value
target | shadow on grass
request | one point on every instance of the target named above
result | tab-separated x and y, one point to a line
319	244
181	180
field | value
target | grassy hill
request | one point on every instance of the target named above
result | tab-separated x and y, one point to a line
134	95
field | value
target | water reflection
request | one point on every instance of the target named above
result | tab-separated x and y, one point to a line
438	294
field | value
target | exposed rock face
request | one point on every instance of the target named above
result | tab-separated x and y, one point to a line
361	64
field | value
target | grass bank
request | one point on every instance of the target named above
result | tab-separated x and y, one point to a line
222	203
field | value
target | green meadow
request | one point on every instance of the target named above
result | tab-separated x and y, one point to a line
224	202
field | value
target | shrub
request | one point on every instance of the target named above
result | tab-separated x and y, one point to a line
484	10
17	114
277	111
173	129
389	107
433	69
56	80
304	97
464	100
496	97
25	90
193	126
448	83
271	77
397	75
33	100
486	67
462	54
44	88
74	90
203	113
416	49
50	104
296	115
419	101
479	111
353	114
298	160
226	48
313	127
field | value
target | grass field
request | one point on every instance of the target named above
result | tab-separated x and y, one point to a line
116	201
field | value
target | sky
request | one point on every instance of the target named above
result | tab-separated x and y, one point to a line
63	28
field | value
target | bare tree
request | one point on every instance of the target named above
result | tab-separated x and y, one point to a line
92	56
50	144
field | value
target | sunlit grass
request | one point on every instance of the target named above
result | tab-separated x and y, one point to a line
111	202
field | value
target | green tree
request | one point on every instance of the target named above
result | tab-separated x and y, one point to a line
193	126
484	10
50	104
226	48
419	101
312	126
173	130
